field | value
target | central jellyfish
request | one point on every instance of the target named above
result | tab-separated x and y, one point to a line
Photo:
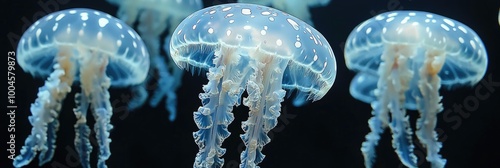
83	46
402	59
255	49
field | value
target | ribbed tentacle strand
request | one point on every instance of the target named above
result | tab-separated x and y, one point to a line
377	125
45	112
265	95
396	72
165	88
221	94
95	84
82	131
429	105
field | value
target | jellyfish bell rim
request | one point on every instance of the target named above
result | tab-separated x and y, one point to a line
325	77
135	67
356	47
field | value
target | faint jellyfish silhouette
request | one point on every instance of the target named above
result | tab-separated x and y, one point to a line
297	8
253	48
154	18
82	46
402	59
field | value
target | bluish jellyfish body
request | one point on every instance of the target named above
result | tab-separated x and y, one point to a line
154	17
249	48
297	8
81	46
402	59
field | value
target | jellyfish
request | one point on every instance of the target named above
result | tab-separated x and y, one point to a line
154	17
83	46
251	48
297	8
402	58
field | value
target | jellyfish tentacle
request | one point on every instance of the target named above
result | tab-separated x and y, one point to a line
165	88
175	83
102	127
102	112
395	68
161	67
45	112
265	95
151	25
96	83
140	95
82	131
401	132
377	125
429	105
204	119
52	128
213	117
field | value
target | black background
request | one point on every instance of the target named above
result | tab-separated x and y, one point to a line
327	133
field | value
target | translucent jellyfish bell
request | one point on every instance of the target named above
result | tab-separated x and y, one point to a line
153	18
253	48
88	47
402	58
297	8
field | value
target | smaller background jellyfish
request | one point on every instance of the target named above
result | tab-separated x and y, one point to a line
153	18
82	46
297	8
402	59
